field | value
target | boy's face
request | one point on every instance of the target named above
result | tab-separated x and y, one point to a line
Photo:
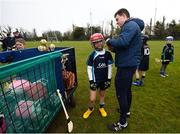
169	41
19	46
98	45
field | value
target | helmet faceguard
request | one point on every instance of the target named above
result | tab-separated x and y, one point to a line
97	41
169	39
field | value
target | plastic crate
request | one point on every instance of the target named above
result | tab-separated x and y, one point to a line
28	98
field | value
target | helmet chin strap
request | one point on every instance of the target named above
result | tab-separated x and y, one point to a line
168	44
98	49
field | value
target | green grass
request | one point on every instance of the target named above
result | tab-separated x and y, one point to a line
155	106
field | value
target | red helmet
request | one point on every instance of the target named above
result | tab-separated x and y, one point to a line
96	37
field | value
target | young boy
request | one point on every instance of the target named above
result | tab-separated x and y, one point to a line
20	44
99	69
167	55
144	64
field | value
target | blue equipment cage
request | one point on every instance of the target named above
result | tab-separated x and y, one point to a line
28	99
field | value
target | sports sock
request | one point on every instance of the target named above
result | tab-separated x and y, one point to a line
142	79
101	104
137	80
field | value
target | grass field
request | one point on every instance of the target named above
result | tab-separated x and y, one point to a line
155	106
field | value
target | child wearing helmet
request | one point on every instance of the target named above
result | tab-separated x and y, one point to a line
99	69
167	55
144	63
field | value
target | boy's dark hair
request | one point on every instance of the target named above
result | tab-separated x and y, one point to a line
121	12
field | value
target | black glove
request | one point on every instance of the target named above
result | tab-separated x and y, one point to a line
107	84
93	85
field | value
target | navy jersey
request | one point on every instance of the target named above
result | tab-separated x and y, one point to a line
168	52
99	61
145	52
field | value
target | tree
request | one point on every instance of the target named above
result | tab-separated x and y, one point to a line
159	29
34	34
59	35
173	29
112	34
78	33
148	28
67	35
91	30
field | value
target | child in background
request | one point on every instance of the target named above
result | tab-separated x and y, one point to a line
20	44
99	69
167	55
144	64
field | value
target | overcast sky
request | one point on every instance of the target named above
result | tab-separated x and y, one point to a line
61	14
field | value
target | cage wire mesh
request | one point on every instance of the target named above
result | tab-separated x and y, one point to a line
28	99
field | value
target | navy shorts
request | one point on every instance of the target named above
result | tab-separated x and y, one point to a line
100	86
144	64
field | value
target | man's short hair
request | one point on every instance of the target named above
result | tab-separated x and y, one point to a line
121	12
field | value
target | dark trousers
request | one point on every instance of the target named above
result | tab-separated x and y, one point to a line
123	82
163	68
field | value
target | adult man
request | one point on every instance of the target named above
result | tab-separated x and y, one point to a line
127	49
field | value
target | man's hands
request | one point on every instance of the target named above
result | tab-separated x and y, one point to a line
93	85
107	42
109	45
